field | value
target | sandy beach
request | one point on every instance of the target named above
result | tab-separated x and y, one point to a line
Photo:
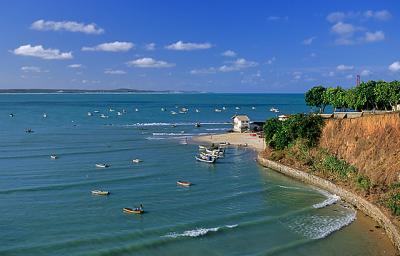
236	139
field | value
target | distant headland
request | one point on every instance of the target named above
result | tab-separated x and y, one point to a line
120	90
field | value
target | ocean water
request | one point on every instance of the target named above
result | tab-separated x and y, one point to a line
235	207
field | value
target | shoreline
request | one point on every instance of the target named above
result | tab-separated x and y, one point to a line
361	204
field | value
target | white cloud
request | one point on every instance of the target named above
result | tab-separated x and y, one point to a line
111	47
374	36
270	61
181	46
229	53
297	75
382	15
365	72
331	73
395	66
336	17
238	65
342	28
40	52
211	70
313	55
71	26
149	63
150	47
349	76
278	18
33	69
308	41
75	66
344	67
379	15
114	72
344	41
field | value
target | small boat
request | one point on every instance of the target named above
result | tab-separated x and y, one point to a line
183	183
217	110
119	113
182	112
173	113
103	116
136	110
197	124
253	108
102	165
197	111
201	147
111	110
208	159
135	211
123	111
89	113
11	115
100	193
29	130
136	161
274	110
53	157
223	108
237	108
163	109
44	115
96	111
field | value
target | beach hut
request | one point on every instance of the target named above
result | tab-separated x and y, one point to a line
241	123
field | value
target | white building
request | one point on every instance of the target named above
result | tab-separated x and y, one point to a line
241	123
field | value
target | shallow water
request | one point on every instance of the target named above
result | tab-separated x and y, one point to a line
234	208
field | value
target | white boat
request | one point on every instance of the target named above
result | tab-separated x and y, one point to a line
237	108
100	193
163	109
112	110
274	110
103	116
11	115
202	148
102	165
253	108
96	111
197	111
124	111
136	161
182	112
53	157
89	113
209	159
119	113
173	113
218	110
44	115
223	108
136	110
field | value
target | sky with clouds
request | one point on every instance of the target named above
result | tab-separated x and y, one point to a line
215	46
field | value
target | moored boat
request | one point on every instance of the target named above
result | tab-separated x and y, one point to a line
197	124
53	157
137	210
205	159
100	193
102	165
136	161
184	183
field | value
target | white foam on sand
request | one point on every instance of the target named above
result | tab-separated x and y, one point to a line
198	232
331	199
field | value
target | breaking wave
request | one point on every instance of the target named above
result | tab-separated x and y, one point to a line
330	200
198	232
177	124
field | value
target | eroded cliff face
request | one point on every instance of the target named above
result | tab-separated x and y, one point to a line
370	143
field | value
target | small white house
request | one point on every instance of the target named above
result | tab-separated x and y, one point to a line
241	123
283	117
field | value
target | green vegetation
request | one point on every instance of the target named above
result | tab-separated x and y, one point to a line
281	134
393	203
367	96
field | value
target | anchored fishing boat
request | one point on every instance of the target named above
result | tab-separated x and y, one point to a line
136	161
183	183
205	159
53	157
102	165
100	193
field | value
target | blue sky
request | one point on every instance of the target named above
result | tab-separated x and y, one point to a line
217	46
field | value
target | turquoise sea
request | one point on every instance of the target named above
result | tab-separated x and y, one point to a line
235	207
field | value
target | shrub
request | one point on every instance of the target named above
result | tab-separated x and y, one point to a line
393	203
363	182
338	167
